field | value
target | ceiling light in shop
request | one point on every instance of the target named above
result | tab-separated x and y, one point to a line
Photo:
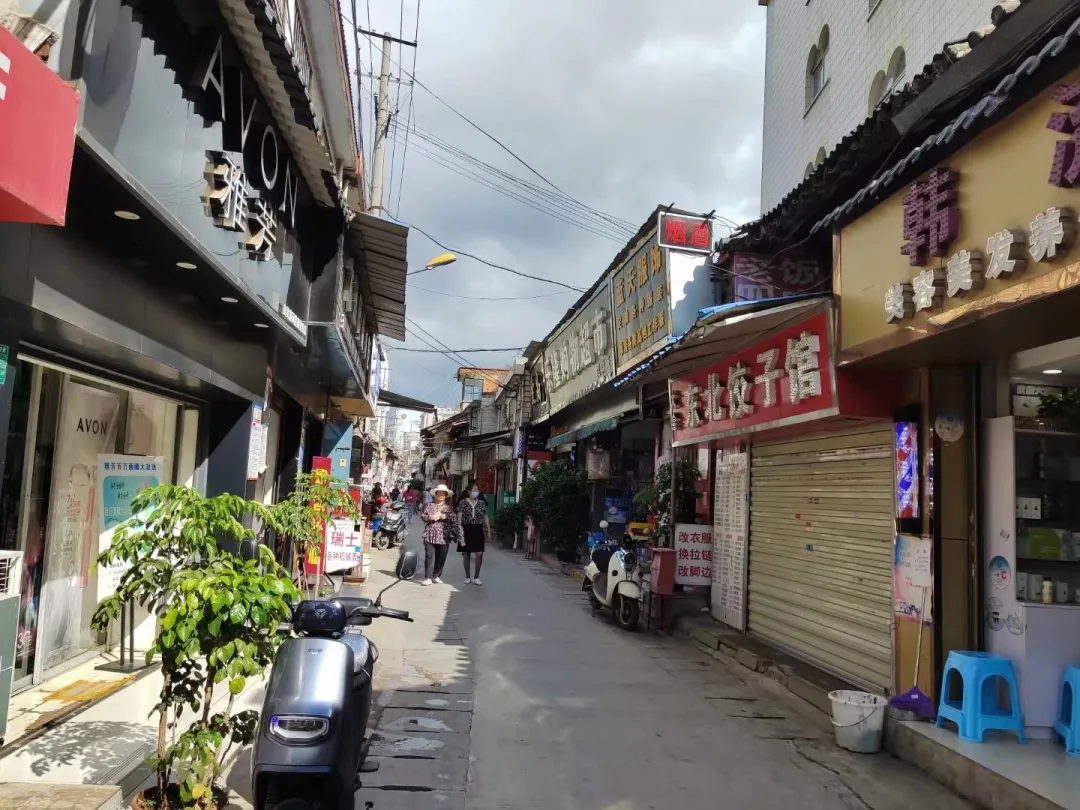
228	299
185	265
1051	371
262	326
129	215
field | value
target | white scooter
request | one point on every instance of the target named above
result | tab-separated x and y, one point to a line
613	580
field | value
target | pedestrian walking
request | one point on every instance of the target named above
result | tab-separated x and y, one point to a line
438	520
475	530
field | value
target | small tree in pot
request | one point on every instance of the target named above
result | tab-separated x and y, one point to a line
317	498
218	616
556	497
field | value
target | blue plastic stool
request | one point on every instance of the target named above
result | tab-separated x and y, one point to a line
1068	722
980	709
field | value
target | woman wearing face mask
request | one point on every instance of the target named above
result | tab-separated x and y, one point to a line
473	518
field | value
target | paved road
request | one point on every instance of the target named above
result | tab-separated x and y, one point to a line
514	696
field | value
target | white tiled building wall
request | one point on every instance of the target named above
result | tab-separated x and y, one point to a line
861	43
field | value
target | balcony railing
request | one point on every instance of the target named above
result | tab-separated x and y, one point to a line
296	41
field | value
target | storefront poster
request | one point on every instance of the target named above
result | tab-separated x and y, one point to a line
344	545
598	464
256	443
120	478
784	379
913	594
693	554
730	530
87	429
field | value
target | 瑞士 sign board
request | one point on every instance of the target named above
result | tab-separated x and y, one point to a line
344	546
693	554
579	358
785	378
640	289
989	228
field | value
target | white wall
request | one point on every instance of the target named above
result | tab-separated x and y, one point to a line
858	48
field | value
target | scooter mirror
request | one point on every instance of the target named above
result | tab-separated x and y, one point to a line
407	565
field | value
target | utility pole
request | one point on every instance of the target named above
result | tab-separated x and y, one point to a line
382	119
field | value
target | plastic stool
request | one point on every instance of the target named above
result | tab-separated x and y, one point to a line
1068	723
980	709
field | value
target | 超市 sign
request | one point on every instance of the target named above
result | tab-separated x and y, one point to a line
579	358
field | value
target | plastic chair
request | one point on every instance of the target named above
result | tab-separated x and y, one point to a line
980	709
1068	724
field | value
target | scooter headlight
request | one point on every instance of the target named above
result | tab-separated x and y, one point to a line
294	729
629	561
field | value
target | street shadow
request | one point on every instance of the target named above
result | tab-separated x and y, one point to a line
100	750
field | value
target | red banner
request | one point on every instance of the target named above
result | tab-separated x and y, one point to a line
38	115
787	377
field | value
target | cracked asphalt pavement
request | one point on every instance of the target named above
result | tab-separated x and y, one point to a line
516	696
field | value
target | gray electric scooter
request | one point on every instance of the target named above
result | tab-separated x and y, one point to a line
311	748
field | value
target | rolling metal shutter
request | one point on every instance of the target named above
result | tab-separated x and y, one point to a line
821	551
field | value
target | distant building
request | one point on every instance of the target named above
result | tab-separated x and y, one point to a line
479	383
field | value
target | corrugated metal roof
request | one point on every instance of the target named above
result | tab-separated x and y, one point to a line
859	153
985	108
382	247
261	39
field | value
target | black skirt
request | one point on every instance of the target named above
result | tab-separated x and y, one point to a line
473	541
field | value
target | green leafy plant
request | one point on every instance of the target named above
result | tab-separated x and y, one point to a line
316	498
509	522
218	618
656	498
556	497
1063	405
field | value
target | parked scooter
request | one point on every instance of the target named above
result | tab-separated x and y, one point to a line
613	580
311	748
392	528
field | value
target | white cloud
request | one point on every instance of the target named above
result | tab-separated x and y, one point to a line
623	105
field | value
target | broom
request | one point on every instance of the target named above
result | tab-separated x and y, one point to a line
914	700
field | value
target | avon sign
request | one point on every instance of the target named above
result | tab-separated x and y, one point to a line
785	378
256	194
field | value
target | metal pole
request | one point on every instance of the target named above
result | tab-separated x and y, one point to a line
382	121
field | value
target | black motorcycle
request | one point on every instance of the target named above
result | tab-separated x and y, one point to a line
392	529
311	748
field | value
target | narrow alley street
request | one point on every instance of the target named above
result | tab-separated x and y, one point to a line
514	696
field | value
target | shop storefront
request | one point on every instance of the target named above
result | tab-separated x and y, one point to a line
802	489
968	275
138	341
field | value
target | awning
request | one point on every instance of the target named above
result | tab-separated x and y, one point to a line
281	65
401	401
38	116
723	330
380	248
583	432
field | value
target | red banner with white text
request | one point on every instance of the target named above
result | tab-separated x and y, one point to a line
786	378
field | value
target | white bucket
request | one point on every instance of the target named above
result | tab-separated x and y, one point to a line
858	719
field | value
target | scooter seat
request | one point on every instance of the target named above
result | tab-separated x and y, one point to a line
360	647
602	555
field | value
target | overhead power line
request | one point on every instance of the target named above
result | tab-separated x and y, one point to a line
483	131
460	252
493	298
456	351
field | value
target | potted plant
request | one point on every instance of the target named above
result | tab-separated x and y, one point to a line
657	498
218	618
316	498
556	497
1062	406
508	523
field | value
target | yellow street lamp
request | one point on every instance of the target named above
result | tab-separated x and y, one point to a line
441	261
